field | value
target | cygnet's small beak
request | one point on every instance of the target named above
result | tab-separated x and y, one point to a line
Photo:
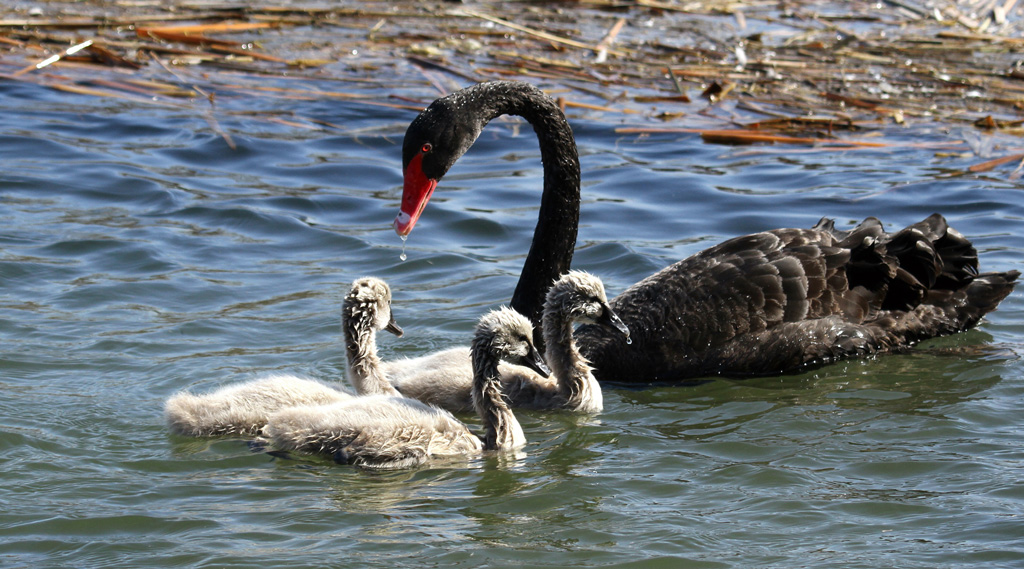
609	318
536	362
394	328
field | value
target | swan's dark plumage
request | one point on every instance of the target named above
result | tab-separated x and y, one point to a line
786	299
765	303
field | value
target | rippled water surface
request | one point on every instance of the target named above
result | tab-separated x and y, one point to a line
140	255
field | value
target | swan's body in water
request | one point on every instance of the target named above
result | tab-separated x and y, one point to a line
243	409
396	432
765	303
443	378
575	297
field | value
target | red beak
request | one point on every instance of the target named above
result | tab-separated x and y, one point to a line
416	193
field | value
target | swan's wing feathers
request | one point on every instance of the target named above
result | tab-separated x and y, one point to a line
744	285
869	230
912	263
795	286
774	350
959	260
917	255
804	279
739	289
825	225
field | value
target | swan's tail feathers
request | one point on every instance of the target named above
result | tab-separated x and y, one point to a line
928	262
198	416
180	415
984	293
943	311
939	266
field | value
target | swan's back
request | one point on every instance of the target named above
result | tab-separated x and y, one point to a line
376	431
243	409
383	432
443	378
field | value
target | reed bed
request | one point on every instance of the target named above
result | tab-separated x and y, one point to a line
826	75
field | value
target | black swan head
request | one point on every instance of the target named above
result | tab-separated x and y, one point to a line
438	137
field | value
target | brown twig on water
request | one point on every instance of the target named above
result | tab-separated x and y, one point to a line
993	164
602	47
537	33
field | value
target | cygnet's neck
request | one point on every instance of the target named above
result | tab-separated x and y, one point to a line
501	428
364	366
576	382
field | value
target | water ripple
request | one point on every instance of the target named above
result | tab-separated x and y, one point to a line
140	256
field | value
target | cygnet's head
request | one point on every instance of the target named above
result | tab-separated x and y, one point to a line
580	296
508	335
367	306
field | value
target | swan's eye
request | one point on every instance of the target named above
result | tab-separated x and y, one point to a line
427	147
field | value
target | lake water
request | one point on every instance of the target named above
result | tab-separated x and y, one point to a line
140	256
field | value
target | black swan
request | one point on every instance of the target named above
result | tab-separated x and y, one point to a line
767	303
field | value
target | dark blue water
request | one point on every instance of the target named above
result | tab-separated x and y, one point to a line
141	255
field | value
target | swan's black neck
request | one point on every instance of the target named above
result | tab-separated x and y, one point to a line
555	236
